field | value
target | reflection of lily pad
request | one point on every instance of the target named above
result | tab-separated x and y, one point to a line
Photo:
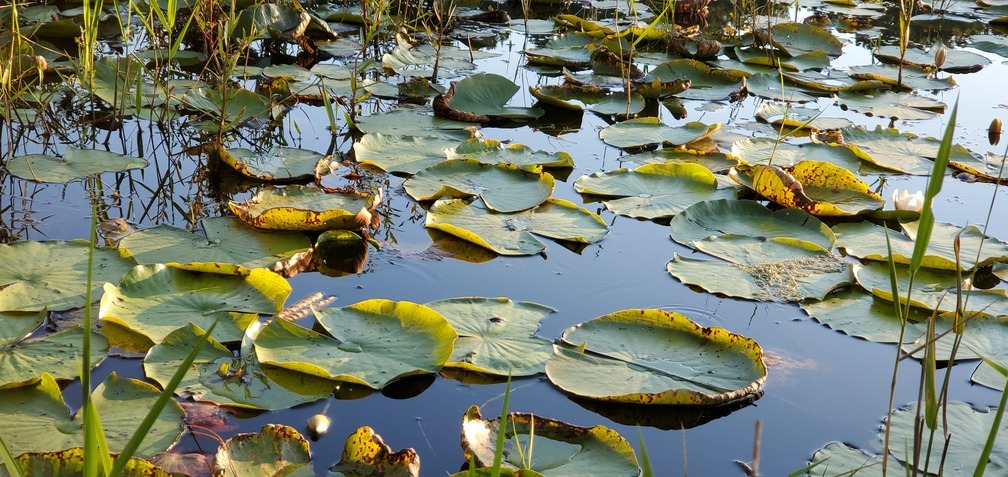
23	359
217	375
154	300
496	336
371	343
75	164
653	191
277	164
512	234
561	449
655	357
645	131
228	241
52	275
275	450
305	208
365	453
35	417
503	187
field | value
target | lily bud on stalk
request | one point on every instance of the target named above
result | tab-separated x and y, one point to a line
939	58
994	132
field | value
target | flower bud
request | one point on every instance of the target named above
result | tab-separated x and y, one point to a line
317	426
939	58
994	132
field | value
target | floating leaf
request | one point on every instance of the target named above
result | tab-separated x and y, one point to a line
868	242
650	130
893	150
503	187
988	168
956	60
804	275
419	60
277	164
406	122
933	290
485	94
24	359
960	455
36	420
569	96
653	191
276	450
154	300
223	111
218	375
761	150
228	240
365	453
819	188
372	343
794	117
887	104
705	83
769	86
496	336
490	151
572	50
305	208
560	449
512	234
889	75
655	357
840	459
715	161
52	275
72	462
75	164
405	154
796	38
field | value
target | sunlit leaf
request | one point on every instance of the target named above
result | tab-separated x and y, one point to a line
650	130
487	94
365	453
784	154
819	188
490	151
804	275
503	187
653	191
868	242
933	290
405	154
23	359
305	208
75	164
274	451
277	164
887	104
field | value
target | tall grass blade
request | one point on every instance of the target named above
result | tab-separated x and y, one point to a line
92	426
927	220
501	430
996	425
169	391
645	461
99	452
8	460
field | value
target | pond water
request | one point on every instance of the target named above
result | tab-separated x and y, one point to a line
822	386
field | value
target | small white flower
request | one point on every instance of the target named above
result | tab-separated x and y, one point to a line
907	201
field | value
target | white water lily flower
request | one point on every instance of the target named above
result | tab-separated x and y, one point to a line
907	201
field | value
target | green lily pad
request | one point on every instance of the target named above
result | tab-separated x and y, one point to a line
656	357
305	208
891	149
503	187
996	44
277	164
887	104
868	242
75	164
758	56
371	343
797	38
962	449
217	375
795	117
496	336
569	96
512	234
226	110
745	232
71	462
933	290
274	451
23	359
489	151
228	240
956	60
486	94
560	449
289	71
404	154
761	150
706	83
889	75
840	459
365	453
419	60
653	191
804	275
650	130
714	161
988	168
269	20
819	188
154	300
36	420
406	122
52	275
769	87
572	50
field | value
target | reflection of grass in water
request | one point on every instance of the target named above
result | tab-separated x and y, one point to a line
778	281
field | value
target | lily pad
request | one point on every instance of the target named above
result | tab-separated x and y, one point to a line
154	300
889	75
706	83
956	60
503	187
36	420
650	130
23	359
75	164
490	151
594	99
933	290
512	234
794	117
305	208
217	375
988	168
804	275
714	161
277	164
819	188
962	449
274	451
404	154
868	242
228	240
407	122
784	154
653	191
893	150
486	94
840	459
797	38
496	336
656	357
887	104
223	111
769	87
371	343
52	275
365	453
561	449
71	462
